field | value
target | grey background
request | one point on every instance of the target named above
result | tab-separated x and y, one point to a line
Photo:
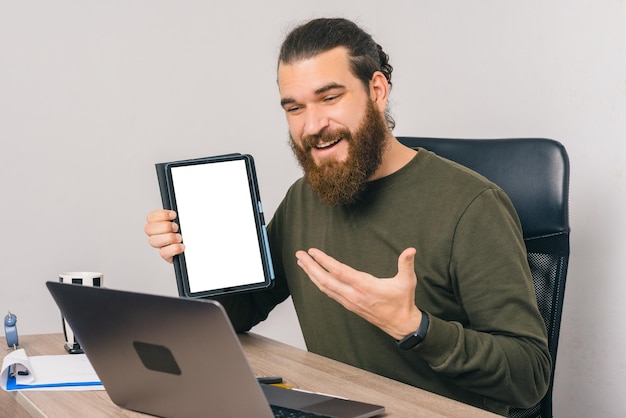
92	94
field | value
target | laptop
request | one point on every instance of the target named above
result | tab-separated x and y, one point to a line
177	357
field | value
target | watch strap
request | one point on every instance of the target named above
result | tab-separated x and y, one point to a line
414	338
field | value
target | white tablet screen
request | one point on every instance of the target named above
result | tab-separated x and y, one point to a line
216	212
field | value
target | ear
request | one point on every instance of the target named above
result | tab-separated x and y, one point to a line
379	90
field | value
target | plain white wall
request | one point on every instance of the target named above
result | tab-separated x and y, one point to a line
92	94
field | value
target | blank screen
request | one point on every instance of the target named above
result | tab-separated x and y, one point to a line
217	222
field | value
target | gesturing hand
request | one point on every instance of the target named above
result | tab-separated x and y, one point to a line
388	303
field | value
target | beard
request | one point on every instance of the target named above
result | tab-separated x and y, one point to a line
343	183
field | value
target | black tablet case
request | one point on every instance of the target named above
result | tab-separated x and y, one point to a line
166	200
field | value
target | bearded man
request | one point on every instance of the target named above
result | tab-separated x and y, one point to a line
398	261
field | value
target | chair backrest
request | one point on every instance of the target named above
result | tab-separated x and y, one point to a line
534	172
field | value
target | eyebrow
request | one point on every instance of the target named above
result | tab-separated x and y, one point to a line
329	86
321	90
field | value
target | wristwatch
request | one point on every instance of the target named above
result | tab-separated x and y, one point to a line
414	338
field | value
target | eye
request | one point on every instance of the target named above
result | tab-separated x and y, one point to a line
293	109
332	98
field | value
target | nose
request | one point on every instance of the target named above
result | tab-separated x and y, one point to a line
315	121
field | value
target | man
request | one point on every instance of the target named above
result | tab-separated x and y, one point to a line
398	262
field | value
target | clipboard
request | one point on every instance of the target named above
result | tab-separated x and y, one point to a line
221	220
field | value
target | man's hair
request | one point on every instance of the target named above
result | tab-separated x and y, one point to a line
321	35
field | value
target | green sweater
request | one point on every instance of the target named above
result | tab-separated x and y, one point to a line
486	344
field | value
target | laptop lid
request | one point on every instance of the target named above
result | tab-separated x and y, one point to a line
177	357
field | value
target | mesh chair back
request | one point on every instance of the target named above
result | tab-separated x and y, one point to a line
534	172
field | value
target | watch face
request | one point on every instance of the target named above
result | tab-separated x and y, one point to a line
410	341
416	337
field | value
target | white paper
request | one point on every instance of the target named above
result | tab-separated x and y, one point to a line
52	372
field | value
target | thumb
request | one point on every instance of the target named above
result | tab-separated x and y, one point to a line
406	261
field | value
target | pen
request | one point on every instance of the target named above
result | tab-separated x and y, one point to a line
270	380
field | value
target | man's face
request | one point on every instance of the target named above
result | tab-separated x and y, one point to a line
338	133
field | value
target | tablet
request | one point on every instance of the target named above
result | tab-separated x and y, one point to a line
221	221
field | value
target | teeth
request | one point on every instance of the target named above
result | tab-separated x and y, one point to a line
327	144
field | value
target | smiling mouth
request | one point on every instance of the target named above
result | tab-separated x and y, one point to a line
328	144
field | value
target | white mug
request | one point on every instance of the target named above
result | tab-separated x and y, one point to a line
84	278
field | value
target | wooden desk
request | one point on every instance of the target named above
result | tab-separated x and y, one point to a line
267	357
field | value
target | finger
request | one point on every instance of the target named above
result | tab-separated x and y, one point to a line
310	266
328	282
406	277
162	240
331	265
164	227
161	215
406	261
168	252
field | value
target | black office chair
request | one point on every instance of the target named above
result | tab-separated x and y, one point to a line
534	172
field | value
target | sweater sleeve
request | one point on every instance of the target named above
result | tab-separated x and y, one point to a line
502	351
245	310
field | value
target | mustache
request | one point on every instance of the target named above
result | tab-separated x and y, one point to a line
311	141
